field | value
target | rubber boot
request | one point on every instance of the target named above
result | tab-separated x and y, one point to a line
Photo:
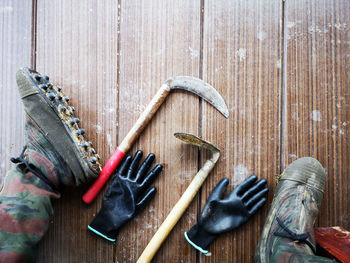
288	234
55	154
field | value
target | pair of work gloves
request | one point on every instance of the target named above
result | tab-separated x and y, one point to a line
129	192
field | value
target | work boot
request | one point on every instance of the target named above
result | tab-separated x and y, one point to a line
55	154
50	115
288	234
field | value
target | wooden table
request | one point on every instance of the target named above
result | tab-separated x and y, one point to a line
282	67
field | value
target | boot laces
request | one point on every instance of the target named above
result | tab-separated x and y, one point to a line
30	168
293	236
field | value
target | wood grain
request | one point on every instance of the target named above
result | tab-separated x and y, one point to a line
242	60
15	52
281	66
159	39
334	241
77	47
318	97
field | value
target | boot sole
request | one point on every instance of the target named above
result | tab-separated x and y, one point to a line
47	106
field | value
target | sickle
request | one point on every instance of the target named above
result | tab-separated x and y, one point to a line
191	84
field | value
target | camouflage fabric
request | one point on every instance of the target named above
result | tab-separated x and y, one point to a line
56	154
288	234
25	205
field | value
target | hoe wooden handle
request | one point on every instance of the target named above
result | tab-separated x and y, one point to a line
126	144
176	213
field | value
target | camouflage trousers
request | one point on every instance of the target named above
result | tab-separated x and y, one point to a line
25	210
292	252
25	197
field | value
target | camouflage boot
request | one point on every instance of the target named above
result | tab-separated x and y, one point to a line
288	234
55	154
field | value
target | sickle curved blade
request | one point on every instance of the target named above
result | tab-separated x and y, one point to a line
202	89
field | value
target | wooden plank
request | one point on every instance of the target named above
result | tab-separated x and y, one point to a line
160	39
242	60
334	241
318	97
15	46
77	47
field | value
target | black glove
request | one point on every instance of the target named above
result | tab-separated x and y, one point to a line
126	195
224	214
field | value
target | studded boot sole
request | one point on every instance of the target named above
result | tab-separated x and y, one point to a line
48	107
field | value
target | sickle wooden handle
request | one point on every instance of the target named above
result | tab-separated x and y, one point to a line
105	174
126	144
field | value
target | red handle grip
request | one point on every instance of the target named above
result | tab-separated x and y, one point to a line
106	172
